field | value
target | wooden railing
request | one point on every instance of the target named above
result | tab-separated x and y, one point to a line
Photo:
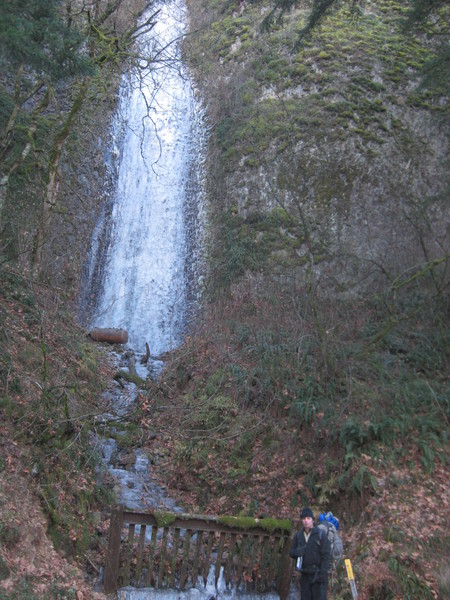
176	551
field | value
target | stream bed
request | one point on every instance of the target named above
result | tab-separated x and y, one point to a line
130	468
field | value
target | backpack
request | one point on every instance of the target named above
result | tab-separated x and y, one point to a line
330	524
330	518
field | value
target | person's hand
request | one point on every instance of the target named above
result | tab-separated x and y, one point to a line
297	552
320	577
323	576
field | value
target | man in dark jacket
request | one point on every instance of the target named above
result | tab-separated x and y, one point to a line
312	545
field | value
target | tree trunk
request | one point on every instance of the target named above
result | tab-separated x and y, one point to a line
110	335
51	191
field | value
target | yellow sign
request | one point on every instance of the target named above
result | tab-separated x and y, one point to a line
348	566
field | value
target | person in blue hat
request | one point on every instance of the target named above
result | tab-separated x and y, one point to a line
312	550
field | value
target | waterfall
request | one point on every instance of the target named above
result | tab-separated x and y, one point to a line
149	263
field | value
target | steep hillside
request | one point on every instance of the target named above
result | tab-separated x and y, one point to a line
53	509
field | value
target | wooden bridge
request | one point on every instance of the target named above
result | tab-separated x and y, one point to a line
164	550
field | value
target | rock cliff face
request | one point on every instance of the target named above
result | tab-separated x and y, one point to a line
334	138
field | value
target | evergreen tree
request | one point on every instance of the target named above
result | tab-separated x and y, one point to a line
32	33
37	49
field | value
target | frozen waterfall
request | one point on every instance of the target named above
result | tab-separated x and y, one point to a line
150	259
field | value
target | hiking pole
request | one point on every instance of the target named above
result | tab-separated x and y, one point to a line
351	578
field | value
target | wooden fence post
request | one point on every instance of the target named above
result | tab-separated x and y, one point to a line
285	570
113	552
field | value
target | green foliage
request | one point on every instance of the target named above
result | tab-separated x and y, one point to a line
4	571
421	11
165	519
309	398
211	414
9	535
23	202
25	590
71	515
226	32
363	479
414	412
32	33
384	419
375	407
238	251
411	585
246	245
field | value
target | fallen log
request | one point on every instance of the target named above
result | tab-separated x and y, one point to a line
127	376
109	335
